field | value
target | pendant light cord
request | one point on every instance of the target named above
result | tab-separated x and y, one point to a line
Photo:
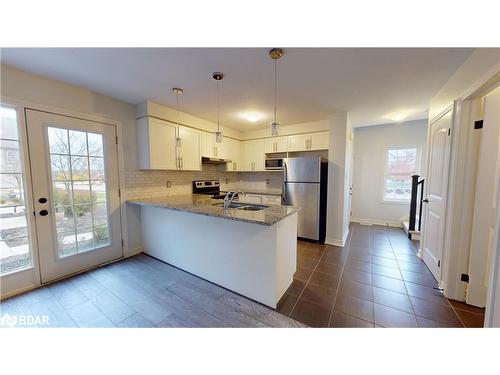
178	114
218	114
275	90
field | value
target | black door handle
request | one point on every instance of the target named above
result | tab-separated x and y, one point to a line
44	213
425	200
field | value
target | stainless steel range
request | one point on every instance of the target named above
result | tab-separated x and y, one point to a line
208	187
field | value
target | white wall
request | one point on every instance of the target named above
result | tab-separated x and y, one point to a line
24	86
370	144
480	65
338	179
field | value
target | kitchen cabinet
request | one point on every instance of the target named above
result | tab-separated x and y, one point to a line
308	141
233	152
254	155
158	149
188	152
207	144
276	144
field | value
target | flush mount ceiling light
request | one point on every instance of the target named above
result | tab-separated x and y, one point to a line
275	54
218	134
177	92
252	116
397	116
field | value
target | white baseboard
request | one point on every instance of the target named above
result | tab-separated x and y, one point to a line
334	242
394	224
132	252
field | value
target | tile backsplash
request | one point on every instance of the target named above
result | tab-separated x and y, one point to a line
153	183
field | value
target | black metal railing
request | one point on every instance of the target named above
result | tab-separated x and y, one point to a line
417	186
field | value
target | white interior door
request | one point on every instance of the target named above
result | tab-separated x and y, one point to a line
483	224
437	188
76	190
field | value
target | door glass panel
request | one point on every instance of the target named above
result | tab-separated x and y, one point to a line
15	250
78	190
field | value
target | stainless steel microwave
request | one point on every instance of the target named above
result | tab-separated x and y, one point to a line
274	163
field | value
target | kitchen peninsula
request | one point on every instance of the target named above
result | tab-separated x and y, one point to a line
251	252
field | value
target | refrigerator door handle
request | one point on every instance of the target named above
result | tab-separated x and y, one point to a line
283	193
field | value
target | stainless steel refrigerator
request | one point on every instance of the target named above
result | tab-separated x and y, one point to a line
305	185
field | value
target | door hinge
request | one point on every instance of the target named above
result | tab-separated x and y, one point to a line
439	263
464	277
119	192
449	131
123	243
116	139
478	124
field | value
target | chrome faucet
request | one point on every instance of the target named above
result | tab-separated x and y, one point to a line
228	199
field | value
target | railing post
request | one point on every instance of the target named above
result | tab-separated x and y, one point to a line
413	203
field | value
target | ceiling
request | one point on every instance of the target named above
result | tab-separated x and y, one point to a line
369	83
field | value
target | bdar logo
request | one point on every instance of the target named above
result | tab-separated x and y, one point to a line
8	320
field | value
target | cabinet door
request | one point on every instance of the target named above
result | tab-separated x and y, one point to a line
233	153
222	150
299	142
281	144
207	144
189	151
259	155
162	153
319	141
247	156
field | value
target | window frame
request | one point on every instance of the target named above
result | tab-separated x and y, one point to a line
418	148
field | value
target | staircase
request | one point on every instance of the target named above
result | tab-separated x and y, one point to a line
413	226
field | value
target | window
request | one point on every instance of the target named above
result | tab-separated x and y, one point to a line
15	251
400	164
79	190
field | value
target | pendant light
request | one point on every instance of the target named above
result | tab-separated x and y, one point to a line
275	54
218	134
177	92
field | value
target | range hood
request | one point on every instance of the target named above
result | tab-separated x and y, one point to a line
207	160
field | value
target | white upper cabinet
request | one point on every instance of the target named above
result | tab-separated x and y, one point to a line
254	155
319	141
207	144
276	144
157	146
308	141
234	154
188	153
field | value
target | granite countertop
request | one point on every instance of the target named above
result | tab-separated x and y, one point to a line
204	205
259	192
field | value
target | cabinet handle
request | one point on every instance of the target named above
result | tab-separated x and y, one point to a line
182	163
234	166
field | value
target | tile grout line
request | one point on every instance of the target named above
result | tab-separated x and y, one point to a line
340	278
306	283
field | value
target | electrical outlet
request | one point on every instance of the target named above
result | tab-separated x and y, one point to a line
169	184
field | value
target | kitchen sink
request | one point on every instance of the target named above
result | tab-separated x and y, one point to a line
253	207
243	206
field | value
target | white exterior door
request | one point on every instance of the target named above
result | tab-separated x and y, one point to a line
483	224
437	188
76	193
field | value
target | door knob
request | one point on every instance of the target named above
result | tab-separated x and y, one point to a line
44	213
